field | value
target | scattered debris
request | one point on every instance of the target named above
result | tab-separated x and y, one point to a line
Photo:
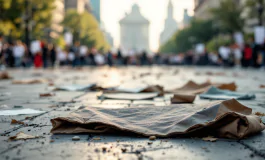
18	107
262	86
51	84
152	138
3	106
29	81
46	94
22	136
76	138
29	118
104	149
260	114
149	143
13	121
96	138
210	139
4	76
123	150
52	141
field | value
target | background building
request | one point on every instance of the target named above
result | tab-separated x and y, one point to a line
134	31
186	18
57	18
202	7
79	5
170	25
96	9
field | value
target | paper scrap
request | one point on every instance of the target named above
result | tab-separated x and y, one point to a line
19	112
22	136
210	139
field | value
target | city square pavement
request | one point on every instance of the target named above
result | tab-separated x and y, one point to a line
117	146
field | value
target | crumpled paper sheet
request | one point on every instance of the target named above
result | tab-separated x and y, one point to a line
137	88
195	88
227	119
219	94
75	87
129	96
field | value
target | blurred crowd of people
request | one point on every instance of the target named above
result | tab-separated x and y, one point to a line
42	54
248	55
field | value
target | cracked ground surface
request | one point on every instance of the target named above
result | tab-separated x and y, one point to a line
118	146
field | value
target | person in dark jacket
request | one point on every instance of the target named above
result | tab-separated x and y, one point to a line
110	58
53	54
45	54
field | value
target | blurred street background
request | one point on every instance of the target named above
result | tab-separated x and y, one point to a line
52	33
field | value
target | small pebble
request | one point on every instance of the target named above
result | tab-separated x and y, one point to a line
76	138
18	106
152	138
104	149
149	143
123	150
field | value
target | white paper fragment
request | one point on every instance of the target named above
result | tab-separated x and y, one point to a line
19	112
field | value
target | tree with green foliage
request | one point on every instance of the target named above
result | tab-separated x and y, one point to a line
228	15
253	9
13	14
85	29
198	32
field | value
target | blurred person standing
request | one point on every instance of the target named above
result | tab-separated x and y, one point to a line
61	56
91	56
44	47
18	53
119	57
2	57
110	58
236	51
157	58
52	49
225	52
263	54
9	56
213	59
38	63
76	50
71	58
100	59
247	56
144	58
188	59
83	54
255	49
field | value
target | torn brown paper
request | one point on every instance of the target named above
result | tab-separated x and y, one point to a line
29	81
195	88
183	98
4	75
227	119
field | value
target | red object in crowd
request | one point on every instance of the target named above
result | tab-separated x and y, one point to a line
248	53
38	60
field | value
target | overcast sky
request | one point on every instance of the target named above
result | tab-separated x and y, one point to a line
154	10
